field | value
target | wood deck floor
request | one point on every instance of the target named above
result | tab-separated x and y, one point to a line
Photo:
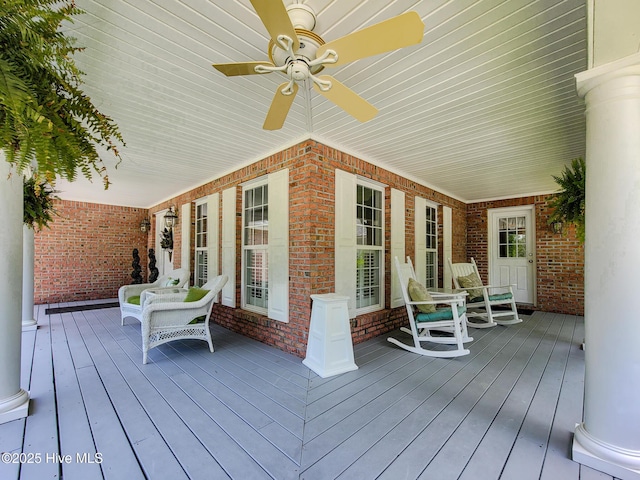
249	411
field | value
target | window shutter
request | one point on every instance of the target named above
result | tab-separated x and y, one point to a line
397	244
229	246
345	238
185	231
420	260
278	258
213	229
447	246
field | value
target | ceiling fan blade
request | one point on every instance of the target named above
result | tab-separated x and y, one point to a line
397	32
244	68
279	109
275	18
347	99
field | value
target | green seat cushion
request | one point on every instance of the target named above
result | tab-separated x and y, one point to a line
199	319
134	300
194	294
468	282
418	293
500	296
439	314
492	298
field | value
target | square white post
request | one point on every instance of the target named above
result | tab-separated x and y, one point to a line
330	348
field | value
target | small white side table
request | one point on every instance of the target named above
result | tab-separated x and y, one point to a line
329	347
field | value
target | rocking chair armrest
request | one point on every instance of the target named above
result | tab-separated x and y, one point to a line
460	294
423	302
497	286
439	301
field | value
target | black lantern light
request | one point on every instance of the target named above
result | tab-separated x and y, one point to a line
170	218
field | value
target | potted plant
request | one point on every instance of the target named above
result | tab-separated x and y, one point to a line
38	203
569	204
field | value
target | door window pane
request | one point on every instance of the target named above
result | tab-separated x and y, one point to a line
512	237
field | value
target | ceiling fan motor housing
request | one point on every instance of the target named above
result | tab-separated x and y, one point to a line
309	44
302	16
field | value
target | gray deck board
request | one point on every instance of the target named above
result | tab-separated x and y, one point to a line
505	411
41	429
381	447
155	456
182	374
74	430
108	435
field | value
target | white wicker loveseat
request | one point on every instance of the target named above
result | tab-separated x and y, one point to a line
179	316
132	297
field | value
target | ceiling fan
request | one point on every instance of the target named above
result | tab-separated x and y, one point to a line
300	54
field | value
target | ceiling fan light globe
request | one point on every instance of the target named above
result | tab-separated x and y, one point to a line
299	71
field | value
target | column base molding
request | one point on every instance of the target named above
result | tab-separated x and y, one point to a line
28	325
612	460
14	407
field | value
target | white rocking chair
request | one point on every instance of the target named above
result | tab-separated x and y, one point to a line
450	319
483	298
171	316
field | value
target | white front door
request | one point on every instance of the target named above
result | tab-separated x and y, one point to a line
164	259
512	250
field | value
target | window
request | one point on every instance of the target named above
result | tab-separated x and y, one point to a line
201	248
426	242
370	247
512	237
431	246
255	245
359	242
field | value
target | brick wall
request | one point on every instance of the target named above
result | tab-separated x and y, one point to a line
311	239
87	252
560	257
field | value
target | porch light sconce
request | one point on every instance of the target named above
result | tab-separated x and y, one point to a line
145	225
556	227
170	218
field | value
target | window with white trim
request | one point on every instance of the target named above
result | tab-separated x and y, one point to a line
255	247
431	246
201	247
369	223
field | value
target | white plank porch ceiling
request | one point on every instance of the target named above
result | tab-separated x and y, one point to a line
485	107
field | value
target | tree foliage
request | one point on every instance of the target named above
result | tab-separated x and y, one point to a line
569	204
46	121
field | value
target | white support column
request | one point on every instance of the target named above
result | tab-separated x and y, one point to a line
14	402
609	438
28	253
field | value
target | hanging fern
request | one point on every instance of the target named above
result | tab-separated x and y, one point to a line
38	204
569	204
46	121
